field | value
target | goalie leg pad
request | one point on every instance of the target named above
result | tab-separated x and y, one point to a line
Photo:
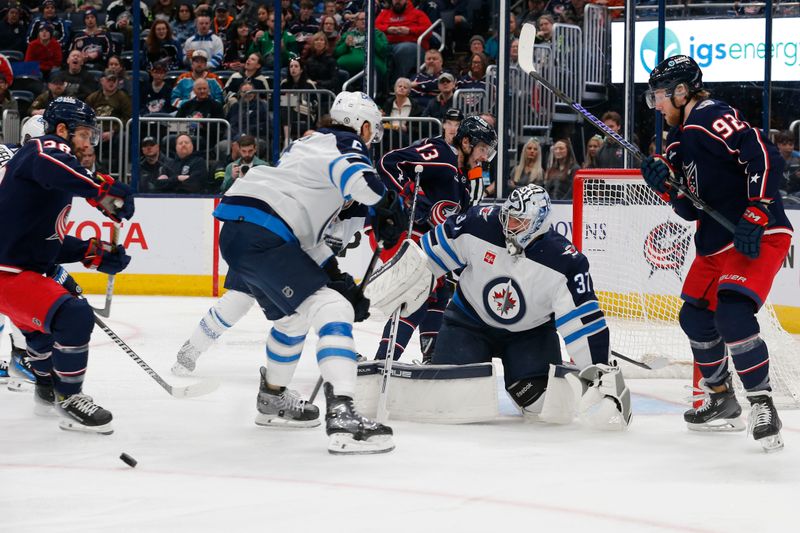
405	279
606	400
561	397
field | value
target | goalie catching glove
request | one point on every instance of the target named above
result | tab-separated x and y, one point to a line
405	281
605	400
105	257
115	199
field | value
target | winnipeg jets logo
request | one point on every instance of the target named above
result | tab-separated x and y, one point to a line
61	224
503	300
665	247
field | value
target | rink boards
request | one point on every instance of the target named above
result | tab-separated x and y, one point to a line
173	242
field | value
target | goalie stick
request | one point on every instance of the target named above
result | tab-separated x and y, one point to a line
383	413
190	391
527	40
105	312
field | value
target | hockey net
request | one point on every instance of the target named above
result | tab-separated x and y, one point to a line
639	252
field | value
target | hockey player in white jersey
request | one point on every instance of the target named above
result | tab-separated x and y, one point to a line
237	300
272	238
522	282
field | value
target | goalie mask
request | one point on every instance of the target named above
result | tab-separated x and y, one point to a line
352	109
524	217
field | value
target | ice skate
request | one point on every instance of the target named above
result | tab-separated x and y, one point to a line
349	431
720	411
284	407
20	373
763	422
44	400
187	360
3	372
80	413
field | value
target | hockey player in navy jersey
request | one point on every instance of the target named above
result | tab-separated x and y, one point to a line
272	238
36	190
521	284
444	191
735	170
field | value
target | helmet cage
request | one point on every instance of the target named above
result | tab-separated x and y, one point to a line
528	207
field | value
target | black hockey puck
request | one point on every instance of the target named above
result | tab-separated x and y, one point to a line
128	460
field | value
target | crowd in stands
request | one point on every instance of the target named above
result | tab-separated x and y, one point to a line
216	60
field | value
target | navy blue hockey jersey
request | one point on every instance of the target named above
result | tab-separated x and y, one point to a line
728	164
36	190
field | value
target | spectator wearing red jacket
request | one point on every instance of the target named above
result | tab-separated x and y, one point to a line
45	50
403	24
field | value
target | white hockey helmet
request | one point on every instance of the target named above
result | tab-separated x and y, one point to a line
524	216
33	127
352	109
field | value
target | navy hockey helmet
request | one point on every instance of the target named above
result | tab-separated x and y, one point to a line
73	113
524	216
477	130
670	73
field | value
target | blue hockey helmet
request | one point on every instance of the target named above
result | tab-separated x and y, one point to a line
73	113
476	130
670	73
524	216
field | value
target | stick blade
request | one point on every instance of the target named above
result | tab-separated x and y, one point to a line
527	40
201	388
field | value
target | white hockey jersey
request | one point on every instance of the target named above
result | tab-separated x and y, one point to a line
549	281
315	177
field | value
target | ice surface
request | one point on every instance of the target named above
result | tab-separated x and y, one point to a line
205	466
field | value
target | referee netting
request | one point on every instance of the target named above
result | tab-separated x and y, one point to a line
639	252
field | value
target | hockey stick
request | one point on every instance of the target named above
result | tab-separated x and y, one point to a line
372	262
527	40
190	391
655	364
105	312
383	413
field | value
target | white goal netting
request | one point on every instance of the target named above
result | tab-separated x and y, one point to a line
640	251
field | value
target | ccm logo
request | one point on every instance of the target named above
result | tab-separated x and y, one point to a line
489	257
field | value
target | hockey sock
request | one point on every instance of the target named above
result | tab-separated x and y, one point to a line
737	323
432	321
336	354
72	328
707	345
283	353
40	351
220	318
405	329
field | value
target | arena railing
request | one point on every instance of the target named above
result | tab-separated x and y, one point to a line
11	126
399	132
111	153
301	110
424	35
211	136
596	49
565	68
353	79
471	101
794	127
697	10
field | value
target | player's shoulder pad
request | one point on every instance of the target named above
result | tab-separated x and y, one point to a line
479	221
707	111
556	252
347	141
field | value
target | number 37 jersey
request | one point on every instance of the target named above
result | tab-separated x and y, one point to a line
550	281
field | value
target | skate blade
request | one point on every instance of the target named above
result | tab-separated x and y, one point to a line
345	444
72	425
726	425
19	385
771	444
279	422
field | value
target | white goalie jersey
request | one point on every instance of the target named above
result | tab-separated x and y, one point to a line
315	177
550	281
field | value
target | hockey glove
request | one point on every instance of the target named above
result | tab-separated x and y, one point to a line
105	257
388	219
344	284
63	278
755	219
658	173
115	199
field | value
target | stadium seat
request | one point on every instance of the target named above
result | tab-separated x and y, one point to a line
24	100
34	84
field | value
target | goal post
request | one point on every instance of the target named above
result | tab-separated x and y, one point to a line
639	252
